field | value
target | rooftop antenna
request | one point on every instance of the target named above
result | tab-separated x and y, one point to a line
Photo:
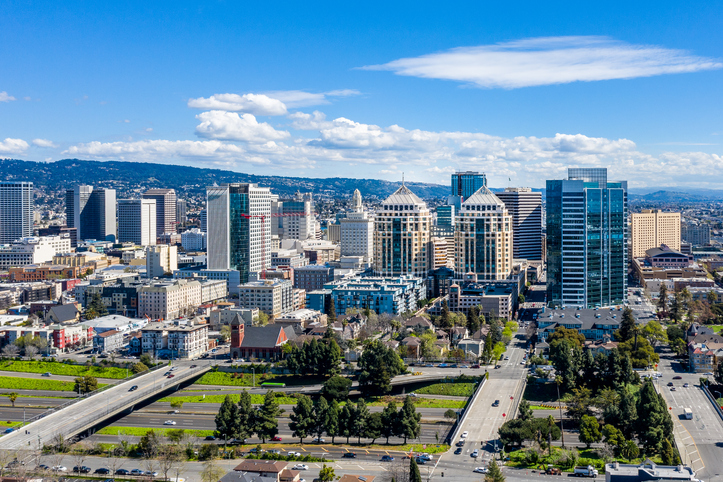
402	179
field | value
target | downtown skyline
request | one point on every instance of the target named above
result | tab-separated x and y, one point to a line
515	94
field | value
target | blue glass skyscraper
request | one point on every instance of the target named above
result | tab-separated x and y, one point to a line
587	239
467	183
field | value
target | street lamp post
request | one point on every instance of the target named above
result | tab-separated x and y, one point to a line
562	429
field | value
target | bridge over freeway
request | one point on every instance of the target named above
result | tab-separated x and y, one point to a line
86	413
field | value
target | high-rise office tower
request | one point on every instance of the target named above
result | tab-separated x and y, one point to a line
525	207
467	183
92	211
299	222
137	221
203	218
16	210
181	212
165	209
483	237
239	228
357	230
651	228
401	235
445	216
695	233
587	239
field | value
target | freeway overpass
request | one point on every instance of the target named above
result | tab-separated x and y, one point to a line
86	413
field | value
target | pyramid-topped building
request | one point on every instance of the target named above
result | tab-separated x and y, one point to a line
401	235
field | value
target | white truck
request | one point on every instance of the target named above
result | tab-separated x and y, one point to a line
688	413
586	471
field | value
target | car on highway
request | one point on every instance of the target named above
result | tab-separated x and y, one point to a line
442	365
171	375
174	411
464	434
429	365
686	385
276	439
133	388
412	394
672	389
496	403
475	454
60	468
464	366
677	377
82	469
122	472
294	454
136	472
507	358
426	457
169	422
670	384
257	450
480	470
275	451
348	455
420	461
210	437
43	467
102	471
387	458
47	374
300	467
458	451
9	430
193	366
475	366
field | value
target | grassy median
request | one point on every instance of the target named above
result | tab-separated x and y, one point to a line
57	368
17	383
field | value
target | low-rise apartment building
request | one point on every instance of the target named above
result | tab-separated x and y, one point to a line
169	300
273	297
184	340
108	341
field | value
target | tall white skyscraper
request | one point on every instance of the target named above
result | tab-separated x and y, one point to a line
483	237
239	228
16	210
92	211
137	221
357	230
525	206
165	209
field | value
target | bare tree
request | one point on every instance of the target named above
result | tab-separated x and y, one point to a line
80	454
150	465
115	459
178	469
10	351
211	471
31	351
168	459
125	441
5	457
398	470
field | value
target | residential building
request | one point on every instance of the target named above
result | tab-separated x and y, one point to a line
169	238
92	211
118	323
16	210
165	209
258	468
525	207
438	250
63	314
239	230
161	260
232	277
357	230
33	250
497	297
220	318
694	233
259	342
41	272
600	324
184	340
313	277
193	240
71	337
381	295
288	257
137	221
213	290
652	228
466	183
294	218
108	341
169	300
483	237
587	239
401	235
302	319
273	297
318	251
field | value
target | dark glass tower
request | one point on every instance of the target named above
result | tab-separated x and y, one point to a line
467	183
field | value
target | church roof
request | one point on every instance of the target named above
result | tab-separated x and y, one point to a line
403	196
483	196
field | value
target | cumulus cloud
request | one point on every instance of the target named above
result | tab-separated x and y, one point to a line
256	104
300	98
13	146
43	143
548	60
5	97
218	124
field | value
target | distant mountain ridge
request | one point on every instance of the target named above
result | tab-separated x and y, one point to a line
131	178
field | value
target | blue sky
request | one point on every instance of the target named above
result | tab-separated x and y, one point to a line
520	90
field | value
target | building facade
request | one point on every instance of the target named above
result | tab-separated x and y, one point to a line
169	300
587	240
193	240
381	295
357	230
137	221
16	210
165	209
295	217
33	250
483	237
107	341
466	183
92	211
525	207
239	228
273	297
401	235
652	228
695	233
161	260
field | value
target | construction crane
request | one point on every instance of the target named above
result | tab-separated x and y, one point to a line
263	217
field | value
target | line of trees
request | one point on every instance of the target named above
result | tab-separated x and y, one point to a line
320	358
353	420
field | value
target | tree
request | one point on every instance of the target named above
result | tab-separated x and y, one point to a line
667	453
246	425
326	474
613	437
378	365
13	396
332	420
321	416
663	298
175	435
579	404
514	432
177	404
629	450
719	373
561	333
628	411
589	430
565	356
211	472
138	368
654	423
31	351
336	388
374	427
302	419
10	351
627	326
146	360
263	319
641	356
149	444
346	421
473	320
409	420
524	411
266	418
331	314
389	420
494	474
227	419
225	333
414	475
654	333
444	318
361	417
85	384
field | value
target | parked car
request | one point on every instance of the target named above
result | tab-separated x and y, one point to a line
458	451
210	437
300	467
276	439
60	468
677	377
136	472
686	385
294	454
43	467
496	403
148	473
426	457
320	440
256	450
102	471
480	470
122	472
464	434
672	389
348	455
413	394
82	469
670	384
475	366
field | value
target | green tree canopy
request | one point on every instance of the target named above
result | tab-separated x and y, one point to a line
378	365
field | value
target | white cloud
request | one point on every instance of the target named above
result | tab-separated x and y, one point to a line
256	104
43	143
309	122
5	97
300	98
548	60
217	124
27	97
13	146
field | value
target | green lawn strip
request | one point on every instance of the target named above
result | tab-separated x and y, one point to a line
534	460
141	431
715	328
451	389
62	369
17	383
247	379
256	398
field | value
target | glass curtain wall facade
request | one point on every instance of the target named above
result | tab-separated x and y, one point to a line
467	183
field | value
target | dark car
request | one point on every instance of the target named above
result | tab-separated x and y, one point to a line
458	451
387	458
83	469
43	467
122	472
670	384
677	377
193	366
349	455
102	471
496	404
210	437
171	375
133	388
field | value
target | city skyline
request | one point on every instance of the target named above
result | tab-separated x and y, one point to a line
525	93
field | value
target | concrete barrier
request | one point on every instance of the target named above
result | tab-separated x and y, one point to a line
713	401
454	433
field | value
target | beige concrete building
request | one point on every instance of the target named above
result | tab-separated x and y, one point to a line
273	297
483	237
169	300
651	228
401	235
438	250
161	260
177	340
